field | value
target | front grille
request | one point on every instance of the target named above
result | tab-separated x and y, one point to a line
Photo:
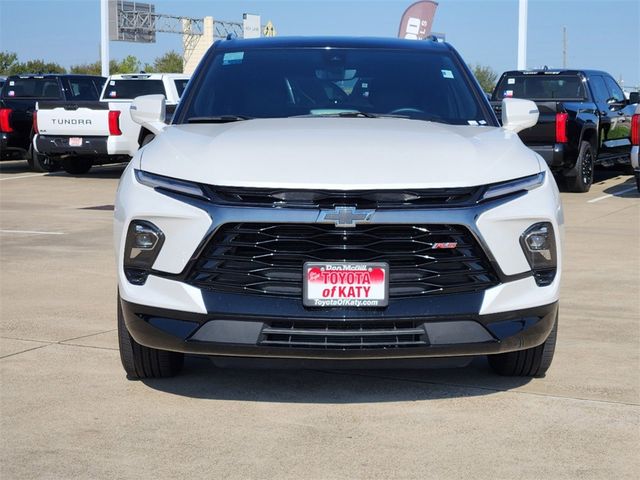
377	199
343	335
268	259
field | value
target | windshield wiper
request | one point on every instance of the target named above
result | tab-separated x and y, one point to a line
219	119
356	114
350	114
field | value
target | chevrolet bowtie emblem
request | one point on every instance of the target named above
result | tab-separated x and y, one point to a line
345	217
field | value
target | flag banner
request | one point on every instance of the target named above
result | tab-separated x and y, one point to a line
417	20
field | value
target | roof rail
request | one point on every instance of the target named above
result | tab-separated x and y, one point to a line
435	38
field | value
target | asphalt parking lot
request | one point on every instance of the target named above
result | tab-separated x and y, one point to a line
67	409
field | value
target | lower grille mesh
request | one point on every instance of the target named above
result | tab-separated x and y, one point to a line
342	335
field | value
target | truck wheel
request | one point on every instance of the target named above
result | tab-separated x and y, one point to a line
76	165
144	362
581	183
532	362
41	163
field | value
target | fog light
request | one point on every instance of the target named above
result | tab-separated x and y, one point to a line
144	237
538	241
539	246
143	244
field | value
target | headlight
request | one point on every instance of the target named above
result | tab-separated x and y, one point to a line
539	246
143	244
513	186
170	184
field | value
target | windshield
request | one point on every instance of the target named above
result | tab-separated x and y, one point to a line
286	82
130	89
541	87
32	87
83	88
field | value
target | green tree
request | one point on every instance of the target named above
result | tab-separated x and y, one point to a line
170	62
94	68
37	66
7	61
128	64
486	77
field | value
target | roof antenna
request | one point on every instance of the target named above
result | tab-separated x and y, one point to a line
231	36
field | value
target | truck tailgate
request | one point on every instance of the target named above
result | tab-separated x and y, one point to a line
73	118
543	132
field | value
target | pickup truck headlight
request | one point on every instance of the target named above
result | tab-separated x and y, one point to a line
143	244
539	246
513	186
168	184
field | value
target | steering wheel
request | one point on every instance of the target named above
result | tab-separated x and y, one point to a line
338	94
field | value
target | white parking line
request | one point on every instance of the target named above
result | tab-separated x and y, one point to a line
23	176
31	232
626	190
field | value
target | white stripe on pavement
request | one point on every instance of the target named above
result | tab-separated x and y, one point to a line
23	176
609	195
31	232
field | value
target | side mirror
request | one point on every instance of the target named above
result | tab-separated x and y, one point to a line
518	114
634	97
150	112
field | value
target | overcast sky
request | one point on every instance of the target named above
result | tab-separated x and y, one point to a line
602	34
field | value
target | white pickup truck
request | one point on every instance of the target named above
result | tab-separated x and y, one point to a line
82	134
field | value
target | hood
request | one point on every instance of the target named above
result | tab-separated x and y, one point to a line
339	153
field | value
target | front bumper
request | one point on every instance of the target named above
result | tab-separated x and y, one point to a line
167	313
454	333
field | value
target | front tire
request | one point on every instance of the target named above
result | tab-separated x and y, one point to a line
532	362
144	362
581	183
77	165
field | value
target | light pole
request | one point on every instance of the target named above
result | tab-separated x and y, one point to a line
104	37
522	34
564	47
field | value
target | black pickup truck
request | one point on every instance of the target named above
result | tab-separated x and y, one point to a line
585	120
18	98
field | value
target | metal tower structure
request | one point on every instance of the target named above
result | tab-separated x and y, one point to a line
133	21
142	25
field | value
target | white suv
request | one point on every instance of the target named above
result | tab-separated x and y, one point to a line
351	200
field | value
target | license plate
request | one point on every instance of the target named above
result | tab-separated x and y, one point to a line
75	141
345	284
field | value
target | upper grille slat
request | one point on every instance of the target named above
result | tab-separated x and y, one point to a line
267	259
418	198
